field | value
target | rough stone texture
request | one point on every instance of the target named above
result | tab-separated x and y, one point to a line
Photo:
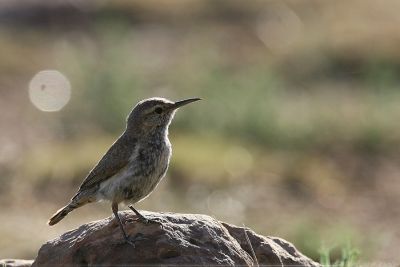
182	239
15	263
269	250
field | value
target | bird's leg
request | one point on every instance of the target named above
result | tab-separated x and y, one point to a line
114	207
141	218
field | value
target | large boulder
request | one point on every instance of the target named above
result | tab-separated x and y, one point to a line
179	239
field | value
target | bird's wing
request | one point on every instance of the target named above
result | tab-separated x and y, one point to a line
116	158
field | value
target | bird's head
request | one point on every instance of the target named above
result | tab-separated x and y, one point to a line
154	113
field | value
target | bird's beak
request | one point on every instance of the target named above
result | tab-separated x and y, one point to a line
181	103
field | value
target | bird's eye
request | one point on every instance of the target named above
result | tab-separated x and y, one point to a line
158	110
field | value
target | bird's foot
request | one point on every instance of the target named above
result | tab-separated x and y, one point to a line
132	240
148	221
129	220
142	219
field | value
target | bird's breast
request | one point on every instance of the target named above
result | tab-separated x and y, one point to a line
146	167
152	159
150	165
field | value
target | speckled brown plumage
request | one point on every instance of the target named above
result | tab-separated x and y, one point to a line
134	165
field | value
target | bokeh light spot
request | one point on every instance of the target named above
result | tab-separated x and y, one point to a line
49	90
238	161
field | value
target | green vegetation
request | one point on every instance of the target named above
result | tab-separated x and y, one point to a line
349	257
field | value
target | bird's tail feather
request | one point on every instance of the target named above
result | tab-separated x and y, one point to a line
61	213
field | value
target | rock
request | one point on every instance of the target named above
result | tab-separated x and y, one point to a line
269	250
180	239
15	263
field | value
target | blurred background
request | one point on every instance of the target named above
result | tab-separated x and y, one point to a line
298	134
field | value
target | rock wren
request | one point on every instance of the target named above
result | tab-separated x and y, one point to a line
134	164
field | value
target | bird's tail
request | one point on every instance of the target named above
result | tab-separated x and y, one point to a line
61	213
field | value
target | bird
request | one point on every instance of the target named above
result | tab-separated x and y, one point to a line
134	164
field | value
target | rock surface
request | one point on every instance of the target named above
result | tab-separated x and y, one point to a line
181	239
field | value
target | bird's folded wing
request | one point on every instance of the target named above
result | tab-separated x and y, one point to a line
116	158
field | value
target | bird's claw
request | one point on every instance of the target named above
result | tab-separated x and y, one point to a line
131	241
148	221
142	219
129	220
